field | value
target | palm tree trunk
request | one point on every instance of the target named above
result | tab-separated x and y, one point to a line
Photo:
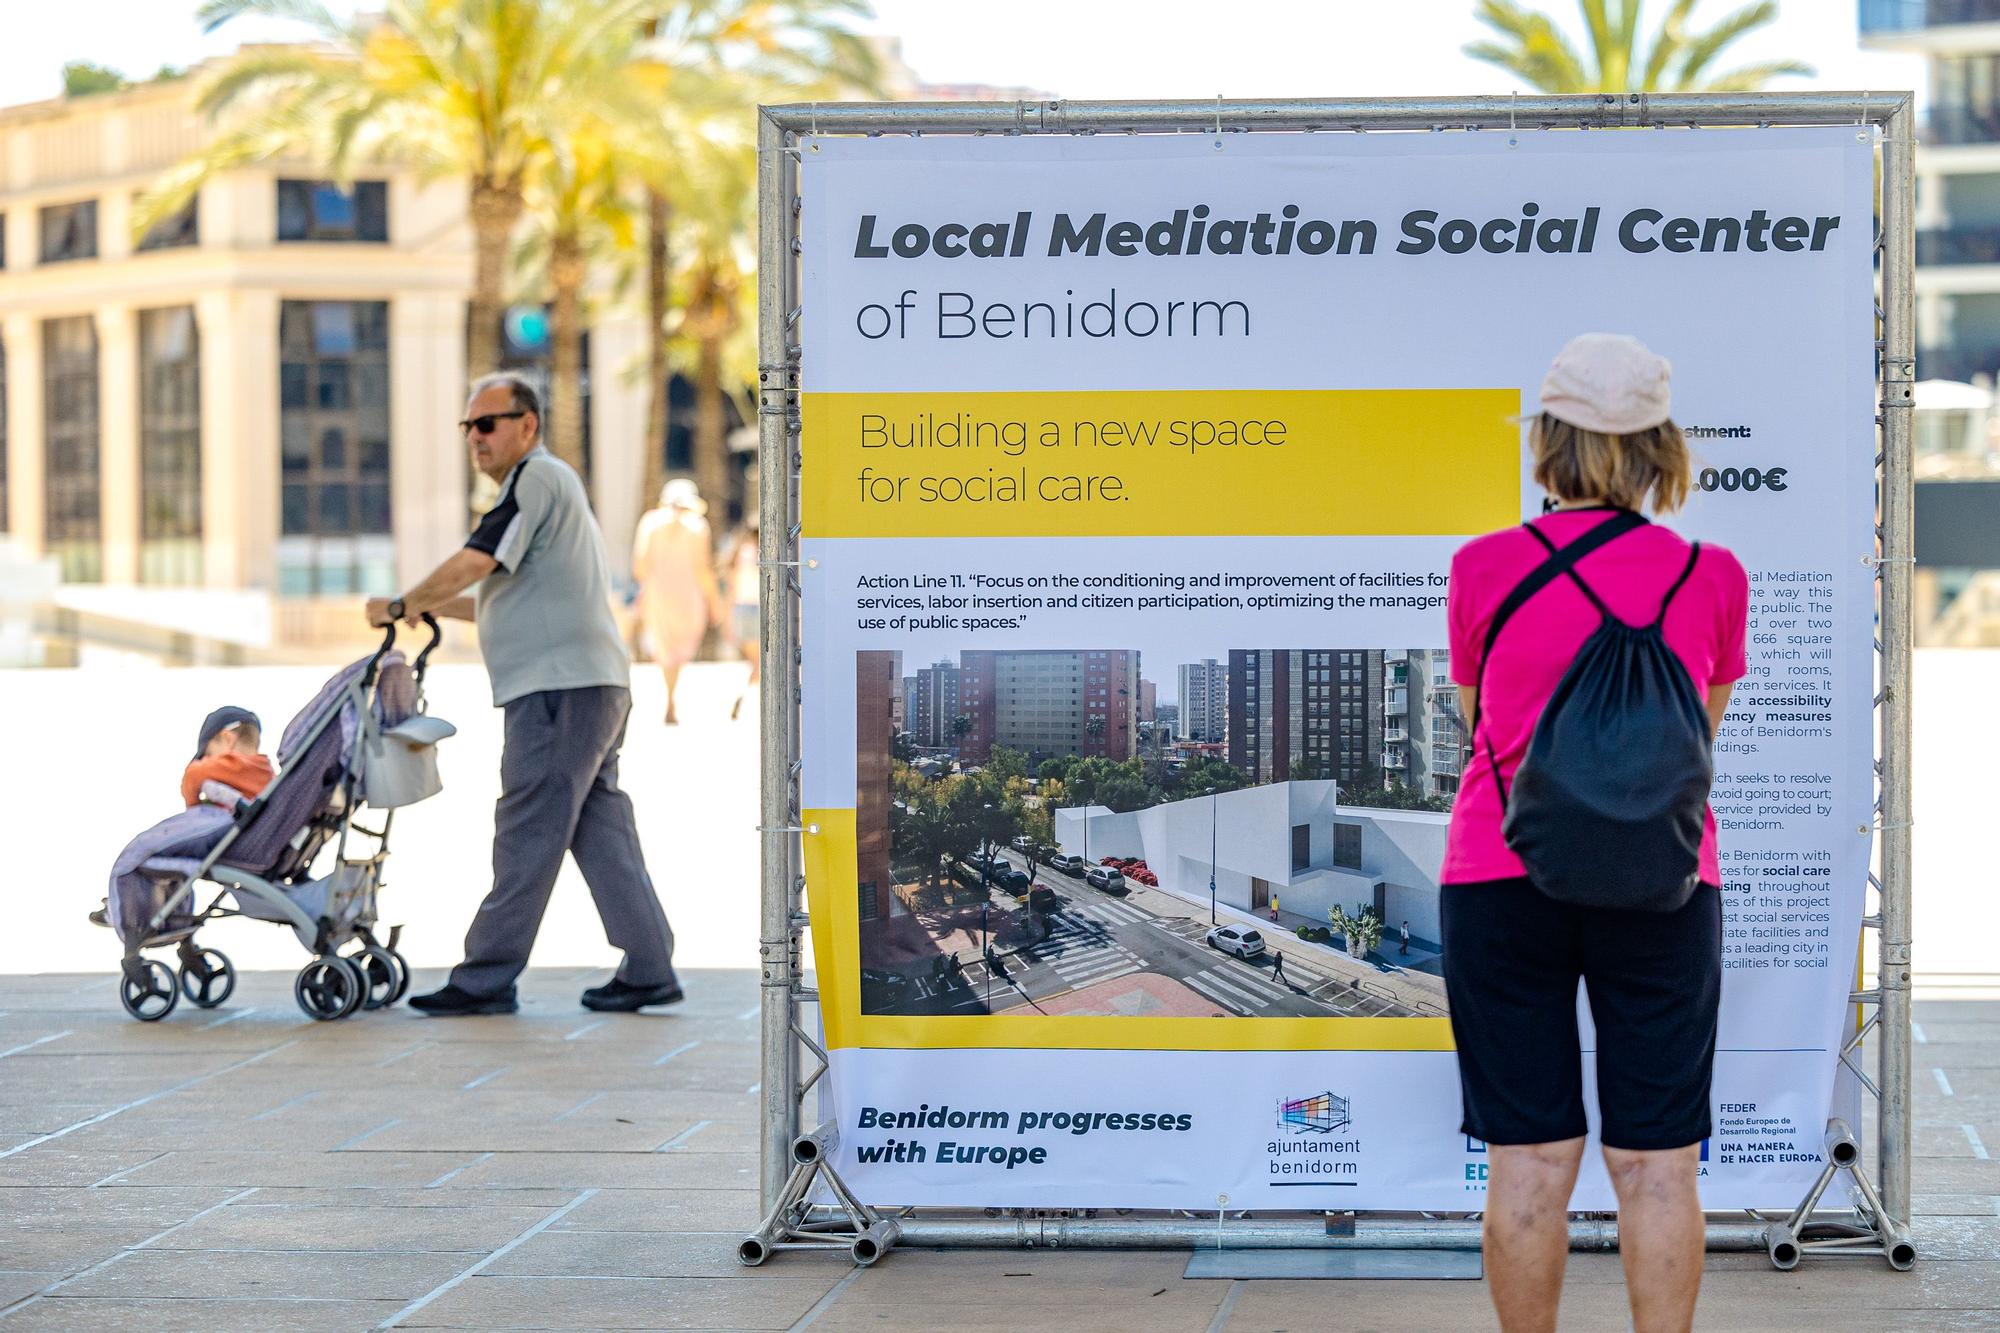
566	273
658	217
711	441
495	208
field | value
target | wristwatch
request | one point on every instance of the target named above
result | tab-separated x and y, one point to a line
396	609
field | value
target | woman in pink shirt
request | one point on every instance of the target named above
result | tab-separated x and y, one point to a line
1604	446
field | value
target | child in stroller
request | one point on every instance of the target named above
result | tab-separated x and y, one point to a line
363	740
226	770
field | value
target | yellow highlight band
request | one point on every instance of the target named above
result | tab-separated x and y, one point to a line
832	898
1150	463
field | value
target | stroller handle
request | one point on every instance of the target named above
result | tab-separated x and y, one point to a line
437	637
375	662
389	641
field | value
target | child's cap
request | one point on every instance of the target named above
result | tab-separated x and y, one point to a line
221	720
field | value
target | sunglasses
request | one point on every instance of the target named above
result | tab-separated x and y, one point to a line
484	425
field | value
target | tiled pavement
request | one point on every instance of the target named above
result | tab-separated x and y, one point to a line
249	1169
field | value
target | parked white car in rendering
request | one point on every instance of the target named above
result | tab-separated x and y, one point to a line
1243	941
1069	865
1106	878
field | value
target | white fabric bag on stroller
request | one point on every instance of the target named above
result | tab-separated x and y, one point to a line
399	764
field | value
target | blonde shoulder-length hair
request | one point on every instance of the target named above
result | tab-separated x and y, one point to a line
1574	464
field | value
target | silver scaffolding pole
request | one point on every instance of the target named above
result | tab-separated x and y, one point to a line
1898	555
794	1161
778	700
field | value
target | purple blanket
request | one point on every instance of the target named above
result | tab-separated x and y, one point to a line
135	895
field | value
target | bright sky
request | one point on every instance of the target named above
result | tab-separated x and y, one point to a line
1101	48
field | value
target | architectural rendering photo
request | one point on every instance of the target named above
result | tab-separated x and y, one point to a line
1051	831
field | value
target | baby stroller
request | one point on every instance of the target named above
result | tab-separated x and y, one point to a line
364	740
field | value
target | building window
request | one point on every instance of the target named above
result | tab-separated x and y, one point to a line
1347	845
324	211
73	526
175	231
169	446
3	425
867	907
334	448
69	231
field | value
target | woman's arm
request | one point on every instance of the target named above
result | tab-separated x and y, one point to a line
1718	704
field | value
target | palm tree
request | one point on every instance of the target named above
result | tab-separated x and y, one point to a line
597	144
454	88
774	50
1534	49
714	339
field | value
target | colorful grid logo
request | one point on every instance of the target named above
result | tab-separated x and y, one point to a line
1322	1114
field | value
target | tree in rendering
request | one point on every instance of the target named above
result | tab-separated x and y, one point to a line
1678	58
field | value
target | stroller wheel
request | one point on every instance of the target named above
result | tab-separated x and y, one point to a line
327	988
379	976
360	985
207	977
402	975
153	998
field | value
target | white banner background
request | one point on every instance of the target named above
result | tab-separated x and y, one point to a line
1778	344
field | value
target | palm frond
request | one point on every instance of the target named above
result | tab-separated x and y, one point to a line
212	14
263	73
1703	48
1667	43
1506	17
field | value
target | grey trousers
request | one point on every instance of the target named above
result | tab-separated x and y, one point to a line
559	793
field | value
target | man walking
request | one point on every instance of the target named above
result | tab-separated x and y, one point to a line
560	672
1406	939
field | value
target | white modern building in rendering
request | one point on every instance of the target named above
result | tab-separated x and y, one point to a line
1291	840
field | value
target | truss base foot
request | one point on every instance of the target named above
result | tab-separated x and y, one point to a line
864	1233
1866	1231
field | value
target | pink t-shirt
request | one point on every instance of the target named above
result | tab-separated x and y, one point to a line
1704	627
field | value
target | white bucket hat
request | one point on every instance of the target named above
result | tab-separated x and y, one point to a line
1608	382
681	493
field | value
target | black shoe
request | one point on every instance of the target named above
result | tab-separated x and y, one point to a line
622	997
100	917
450	1002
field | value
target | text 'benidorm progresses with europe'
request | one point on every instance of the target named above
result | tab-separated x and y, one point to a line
1007	1156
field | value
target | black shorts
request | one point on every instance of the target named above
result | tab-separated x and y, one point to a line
1512	960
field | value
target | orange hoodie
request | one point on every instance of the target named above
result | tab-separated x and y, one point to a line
247	773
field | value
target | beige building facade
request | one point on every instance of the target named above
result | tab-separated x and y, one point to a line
243	423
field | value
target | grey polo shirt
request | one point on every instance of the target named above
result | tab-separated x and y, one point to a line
545	614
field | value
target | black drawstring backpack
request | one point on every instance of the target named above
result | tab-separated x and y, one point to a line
1607	806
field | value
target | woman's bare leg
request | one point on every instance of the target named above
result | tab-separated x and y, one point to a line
753	654
1526	1233
672	672
1660	1234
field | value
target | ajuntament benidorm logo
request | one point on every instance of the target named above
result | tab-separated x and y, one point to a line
1321	1113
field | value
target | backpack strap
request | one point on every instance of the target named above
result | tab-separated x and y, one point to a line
1694	554
1561	561
1569	565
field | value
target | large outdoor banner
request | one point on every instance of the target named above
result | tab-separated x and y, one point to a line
1133	470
